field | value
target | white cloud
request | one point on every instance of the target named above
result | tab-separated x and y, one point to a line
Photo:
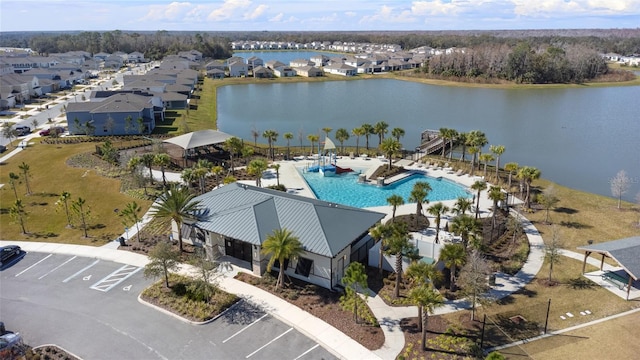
228	9
351	13
277	18
575	7
388	14
171	12
256	13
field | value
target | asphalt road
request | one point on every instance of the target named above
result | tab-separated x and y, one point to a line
90	308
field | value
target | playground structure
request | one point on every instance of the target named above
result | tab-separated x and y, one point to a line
326	163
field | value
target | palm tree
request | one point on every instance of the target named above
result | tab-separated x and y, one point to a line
326	131
453	256
462	139
358	132
24	167
233	145
368	130
147	160
201	170
397	133
217	170
528	174
18	214
419	195
64	199
188	176
131	215
427	299
378	233
282	246
495	193
342	135
453	135
288	136
462	205
162	160
444	134
421	273
254	134
511	167
497	150
438	209
380	128
81	208
313	138
271	136
175	205
13	178
485	158
395	200
398	244
256	168
390	147
473	151
478	186
276	167
467	227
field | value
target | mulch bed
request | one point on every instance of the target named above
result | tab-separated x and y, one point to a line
325	305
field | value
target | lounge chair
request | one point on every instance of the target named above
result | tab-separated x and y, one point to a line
459	172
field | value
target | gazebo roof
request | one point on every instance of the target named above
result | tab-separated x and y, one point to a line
199	138
625	252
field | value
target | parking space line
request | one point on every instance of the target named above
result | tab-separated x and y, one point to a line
306	352
27	269
243	329
81	271
269	343
56	268
115	278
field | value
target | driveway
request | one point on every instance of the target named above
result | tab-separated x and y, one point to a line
90	307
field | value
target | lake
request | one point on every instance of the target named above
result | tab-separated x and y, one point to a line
577	137
283	56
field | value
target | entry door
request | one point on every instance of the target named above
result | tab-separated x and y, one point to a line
238	249
340	272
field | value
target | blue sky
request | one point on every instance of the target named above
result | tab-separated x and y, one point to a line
323	15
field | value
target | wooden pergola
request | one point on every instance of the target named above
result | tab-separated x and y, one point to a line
626	252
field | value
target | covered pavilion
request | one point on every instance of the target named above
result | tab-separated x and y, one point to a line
191	142
626	252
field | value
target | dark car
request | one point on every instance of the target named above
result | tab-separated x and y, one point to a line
56	130
2	149
7	252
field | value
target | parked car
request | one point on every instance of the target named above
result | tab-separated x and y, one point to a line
22	130
56	130
2	149
7	252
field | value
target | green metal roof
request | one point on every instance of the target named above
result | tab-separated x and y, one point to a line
250	214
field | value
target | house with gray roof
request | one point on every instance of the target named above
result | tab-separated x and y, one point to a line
114	113
236	219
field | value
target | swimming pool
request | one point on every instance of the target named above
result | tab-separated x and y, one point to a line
345	189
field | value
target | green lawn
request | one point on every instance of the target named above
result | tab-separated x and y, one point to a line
50	176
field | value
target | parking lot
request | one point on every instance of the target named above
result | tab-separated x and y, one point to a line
90	307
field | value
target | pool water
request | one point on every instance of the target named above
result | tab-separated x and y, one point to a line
345	189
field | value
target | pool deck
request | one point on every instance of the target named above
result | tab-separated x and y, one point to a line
295	183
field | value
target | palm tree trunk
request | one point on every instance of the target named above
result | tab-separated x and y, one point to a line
180	237
452	279
396	293
420	312
423	322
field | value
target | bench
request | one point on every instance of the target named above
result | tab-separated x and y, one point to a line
618	280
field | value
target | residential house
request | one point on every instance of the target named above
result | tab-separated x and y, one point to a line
309	71
340	69
284	71
215	74
238	69
273	64
253	62
215	64
113	113
22	86
135	57
191	55
262	72
300	63
236	219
